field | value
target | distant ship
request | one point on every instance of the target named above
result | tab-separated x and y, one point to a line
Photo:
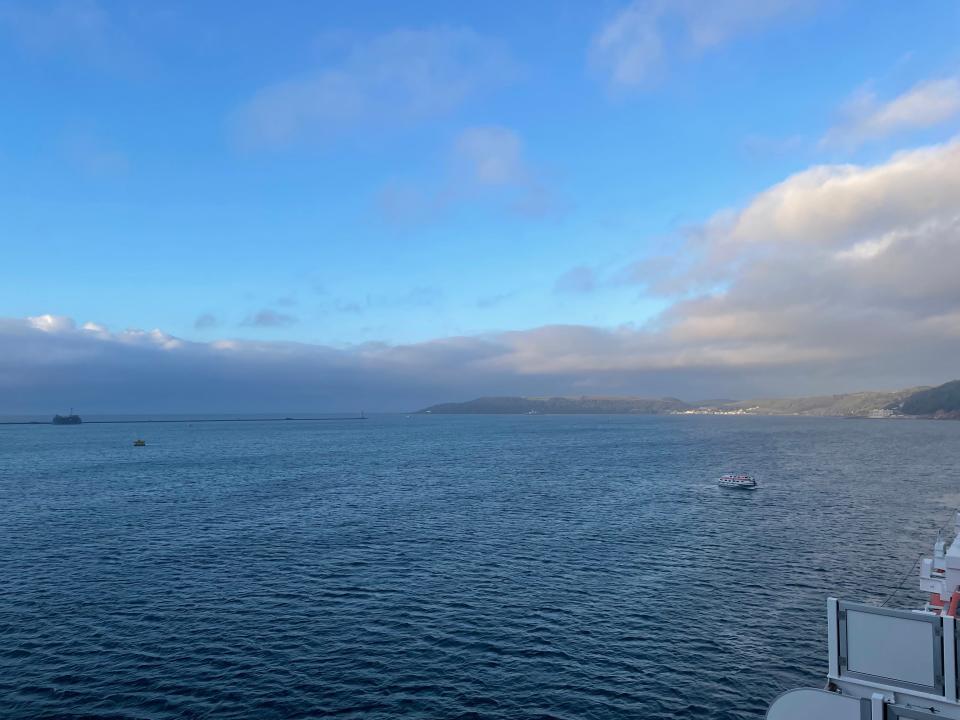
70	419
890	664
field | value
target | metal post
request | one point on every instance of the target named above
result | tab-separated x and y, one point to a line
833	639
949	658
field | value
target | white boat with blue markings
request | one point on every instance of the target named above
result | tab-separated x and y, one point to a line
890	664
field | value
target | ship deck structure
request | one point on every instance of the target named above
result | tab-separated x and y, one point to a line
890	664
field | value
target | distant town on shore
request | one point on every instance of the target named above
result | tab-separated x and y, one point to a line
940	402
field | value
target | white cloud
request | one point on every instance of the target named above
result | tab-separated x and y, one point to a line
395	78
491	156
96	329
150	338
51	323
635	44
494	159
49	28
839	205
73	31
93	156
629	46
927	104
484	164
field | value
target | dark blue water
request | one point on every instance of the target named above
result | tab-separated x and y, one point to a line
448	567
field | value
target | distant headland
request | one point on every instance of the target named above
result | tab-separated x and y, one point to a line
941	402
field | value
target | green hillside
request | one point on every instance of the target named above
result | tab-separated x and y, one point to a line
858	404
943	400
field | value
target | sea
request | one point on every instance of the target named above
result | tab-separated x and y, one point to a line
428	566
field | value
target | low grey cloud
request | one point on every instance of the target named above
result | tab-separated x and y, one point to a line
399	77
579	279
205	321
268	318
417	297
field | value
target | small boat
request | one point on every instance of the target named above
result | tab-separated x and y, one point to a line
739	480
139	443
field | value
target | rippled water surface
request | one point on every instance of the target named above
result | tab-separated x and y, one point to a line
448	567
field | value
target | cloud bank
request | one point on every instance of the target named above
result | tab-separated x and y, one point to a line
844	269
841	277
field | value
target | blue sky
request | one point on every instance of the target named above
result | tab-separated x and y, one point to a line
347	174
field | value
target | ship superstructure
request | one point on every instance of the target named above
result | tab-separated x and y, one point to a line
70	419
889	664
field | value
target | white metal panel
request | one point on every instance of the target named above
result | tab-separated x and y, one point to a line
897	648
814	705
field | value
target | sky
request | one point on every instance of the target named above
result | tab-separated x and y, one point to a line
238	207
